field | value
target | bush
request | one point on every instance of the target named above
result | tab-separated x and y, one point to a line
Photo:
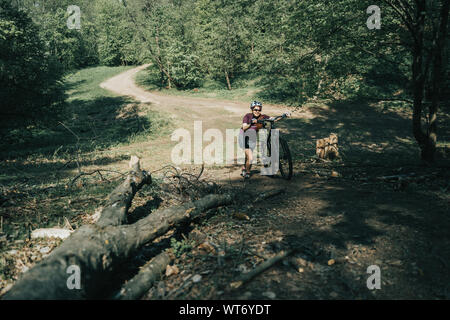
185	70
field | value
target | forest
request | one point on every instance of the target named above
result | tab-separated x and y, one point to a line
87	85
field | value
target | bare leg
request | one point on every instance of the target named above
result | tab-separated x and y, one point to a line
248	160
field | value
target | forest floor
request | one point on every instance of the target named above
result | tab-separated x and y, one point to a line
341	216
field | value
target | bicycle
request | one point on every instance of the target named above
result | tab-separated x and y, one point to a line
285	159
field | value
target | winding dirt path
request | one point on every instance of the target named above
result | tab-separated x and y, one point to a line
123	84
214	114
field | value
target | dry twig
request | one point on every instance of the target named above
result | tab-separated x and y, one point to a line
259	269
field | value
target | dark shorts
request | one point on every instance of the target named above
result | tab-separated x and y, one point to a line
247	141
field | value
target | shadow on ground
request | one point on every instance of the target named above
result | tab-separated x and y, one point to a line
356	219
89	125
367	133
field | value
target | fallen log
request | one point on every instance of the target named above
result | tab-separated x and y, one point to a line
144	280
119	201
84	265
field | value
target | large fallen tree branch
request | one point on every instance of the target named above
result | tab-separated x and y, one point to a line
98	250
119	201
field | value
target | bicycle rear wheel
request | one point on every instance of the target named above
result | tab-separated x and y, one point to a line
285	160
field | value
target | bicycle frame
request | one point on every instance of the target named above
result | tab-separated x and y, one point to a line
272	126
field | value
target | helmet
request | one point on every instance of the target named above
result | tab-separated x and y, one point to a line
255	104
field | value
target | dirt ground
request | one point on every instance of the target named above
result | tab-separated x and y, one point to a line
339	217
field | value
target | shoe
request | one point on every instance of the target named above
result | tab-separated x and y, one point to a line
247	175
243	173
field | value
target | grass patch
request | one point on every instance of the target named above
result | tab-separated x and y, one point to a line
244	89
94	119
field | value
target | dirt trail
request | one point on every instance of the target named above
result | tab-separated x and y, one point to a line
123	84
341	225
218	114
339	215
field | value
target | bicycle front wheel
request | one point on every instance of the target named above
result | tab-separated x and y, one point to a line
285	160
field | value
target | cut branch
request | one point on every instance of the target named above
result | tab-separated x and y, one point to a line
144	280
268	194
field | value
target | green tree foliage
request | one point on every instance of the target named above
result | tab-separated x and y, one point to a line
30	87
70	46
114	34
73	48
223	37
300	50
324	48
166	34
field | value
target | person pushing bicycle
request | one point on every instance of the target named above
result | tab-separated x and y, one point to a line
247	139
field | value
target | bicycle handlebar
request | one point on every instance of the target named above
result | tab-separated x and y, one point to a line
284	115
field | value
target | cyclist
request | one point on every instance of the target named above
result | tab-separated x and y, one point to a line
247	139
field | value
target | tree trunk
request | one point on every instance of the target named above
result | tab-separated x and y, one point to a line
159	61
156	56
427	138
164	71
418	77
319	86
438	69
98	250
228	80
168	78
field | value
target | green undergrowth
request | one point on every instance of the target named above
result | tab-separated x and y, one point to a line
244	88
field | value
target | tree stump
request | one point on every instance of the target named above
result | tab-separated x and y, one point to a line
327	148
